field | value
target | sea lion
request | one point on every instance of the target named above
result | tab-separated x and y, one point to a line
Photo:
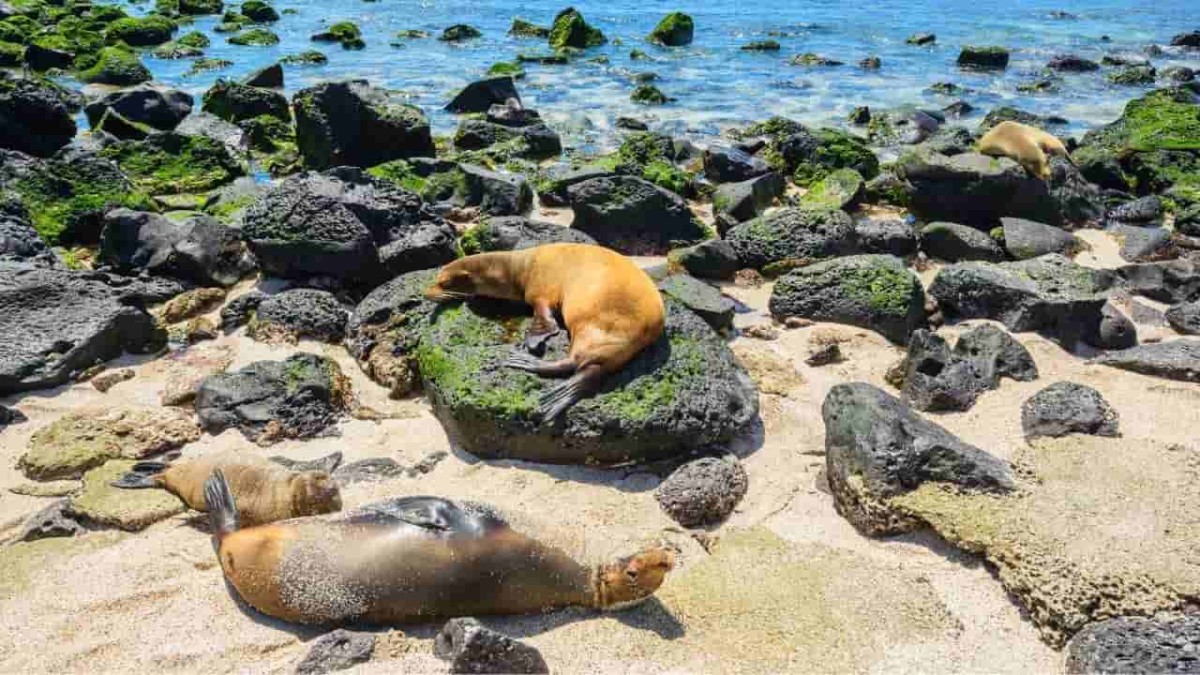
266	491
412	559
611	308
1027	145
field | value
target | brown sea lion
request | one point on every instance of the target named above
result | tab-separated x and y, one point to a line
266	492
611	307
1028	145
412	559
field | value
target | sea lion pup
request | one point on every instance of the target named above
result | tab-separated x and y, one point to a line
266	491
611	307
1027	145
412	559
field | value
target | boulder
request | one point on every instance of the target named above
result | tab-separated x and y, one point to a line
299	313
41	57
59	323
10	416
949	140
512	114
792	234
705	300
471	647
675	30
1070	63
1112	330
1185	318
869	291
237	102
891	236
259	11
1142	244
197	249
337	650
1049	294
1175	74
633	216
1025	239
495	193
712	259
1142	211
269	77
153	105
532	141
1171	281
1174	360
921	39
1133	75
384	330
84	440
131	510
117	66
983	58
299	397
345	224
724	164
510	233
995	354
169	163
840	190
937	379
480	96
146	31
34	119
353	123
210	126
953	242
683	392
703	492
877	448
1136	644
571	30
974	189
735	203
1068	408
19	242
1189	40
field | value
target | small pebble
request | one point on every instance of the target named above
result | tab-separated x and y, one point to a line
762	331
797	322
830	353
107	380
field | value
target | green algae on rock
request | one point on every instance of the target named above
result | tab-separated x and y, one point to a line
675	30
523	28
839	190
345	32
255	37
173	163
145	31
571	30
648	94
117	66
129	510
309	57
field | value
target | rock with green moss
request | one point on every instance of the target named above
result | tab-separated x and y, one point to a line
633	215
685	391
571	30
735	203
268	401
310	57
460	32
839	190
201	7
503	143
11	54
648	94
255	37
1132	75
174	163
761	46
825	151
810	59
346	33
234	102
383	332
161	108
523	28
983	58
204	65
353	123
146	31
974	189
675	30
130	510
555	59
34	117
792	234
174	51
869	291
80	441
259	11
508	233
117	66
954	243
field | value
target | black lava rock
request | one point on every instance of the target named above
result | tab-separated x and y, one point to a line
713	259
510	233
19	242
703	492
337	650
1025	239
793	234
1174	360
470	647
704	299
891	236
160	107
479	96
1185	318
53	521
303	312
735	203
198	249
731	165
633	216
495	193
353	123
1136	645
238	312
953	242
1067	408
34	117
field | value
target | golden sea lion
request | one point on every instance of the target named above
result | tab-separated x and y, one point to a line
1028	145
266	492
611	307
412	559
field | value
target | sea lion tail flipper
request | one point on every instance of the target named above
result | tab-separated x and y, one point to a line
222	509
142	475
563	395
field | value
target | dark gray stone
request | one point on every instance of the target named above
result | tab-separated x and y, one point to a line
1139	211
537	141
825	355
58	322
511	233
633	216
197	249
793	234
1071	63
19	242
1025	239
304	313
705	300
478	97
160	107
496	194
730	165
950	140
703	492
974	189
1178	74
1136	646
238	312
512	114
1067	408
1142	244
53	521
34	117
995	354
713	259
1185	317
11	416
208	125
935	378
337	650
352	123
1171	281
560	179
270	77
953	242
870	291
738	202
876	447
236	102
470	647
1174	360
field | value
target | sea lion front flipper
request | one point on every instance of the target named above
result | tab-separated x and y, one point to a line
222	509
541	329
143	475
435	514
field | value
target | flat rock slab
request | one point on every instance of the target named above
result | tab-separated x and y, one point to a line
1174	360
83	440
129	510
1101	527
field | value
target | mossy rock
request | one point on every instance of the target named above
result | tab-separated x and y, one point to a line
761	46
839	190
80	441
146	31
194	39
310	57
175	50
506	68
685	392
172	163
117	66
792	234
571	30
11	55
675	30
346	33
522	28
204	65
460	32
259	11
648	94
836	150
129	510
255	37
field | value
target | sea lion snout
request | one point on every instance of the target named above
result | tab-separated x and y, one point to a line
632	580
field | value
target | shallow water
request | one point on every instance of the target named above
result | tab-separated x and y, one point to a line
717	85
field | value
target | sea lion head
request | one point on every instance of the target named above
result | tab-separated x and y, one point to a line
632	580
314	493
487	274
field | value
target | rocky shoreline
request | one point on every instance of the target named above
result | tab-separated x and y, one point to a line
158	297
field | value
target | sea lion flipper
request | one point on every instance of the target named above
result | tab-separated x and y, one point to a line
532	364
142	475
563	395
222	509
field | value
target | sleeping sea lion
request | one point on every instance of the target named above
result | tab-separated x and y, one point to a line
266	492
1027	145
412	559
611	307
